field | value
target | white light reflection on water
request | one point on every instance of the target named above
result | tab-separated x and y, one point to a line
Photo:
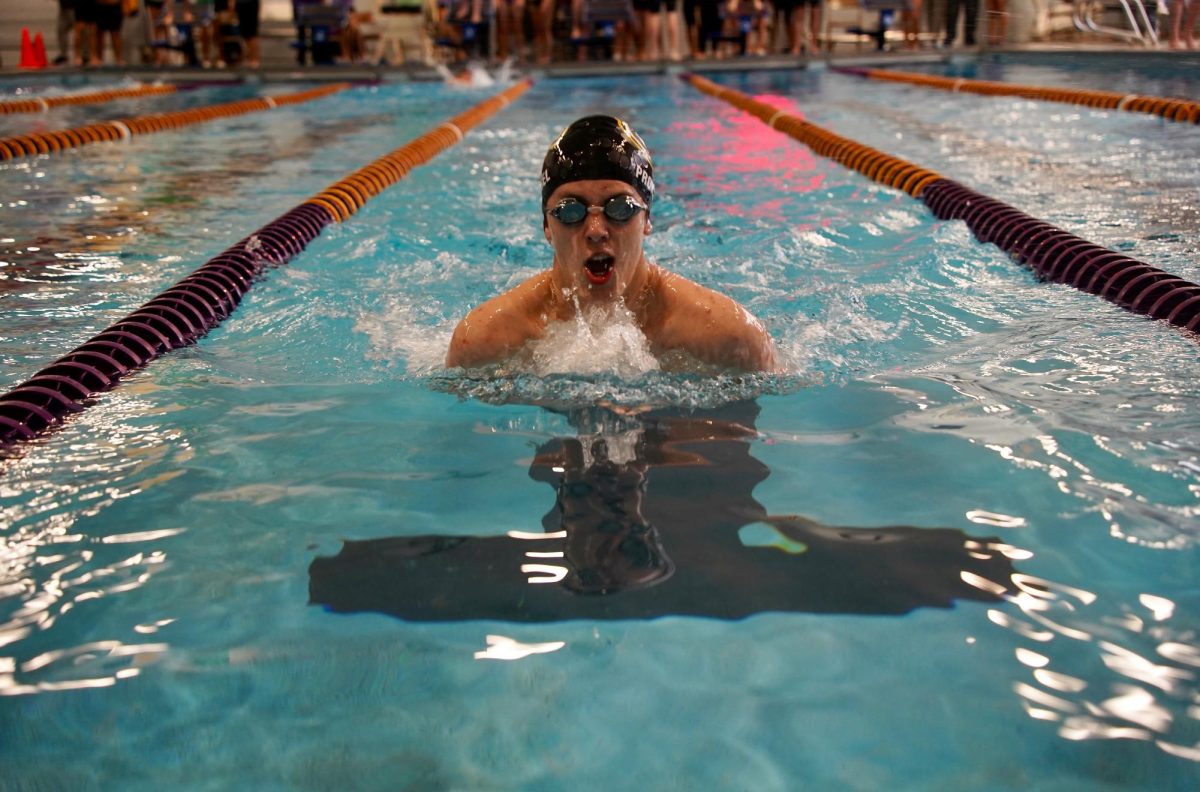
500	647
1112	427
1132	697
1059	407
51	569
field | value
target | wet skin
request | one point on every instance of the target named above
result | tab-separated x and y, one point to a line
600	262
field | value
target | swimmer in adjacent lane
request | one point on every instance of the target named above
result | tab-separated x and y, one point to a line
597	186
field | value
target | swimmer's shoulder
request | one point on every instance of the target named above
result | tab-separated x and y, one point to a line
496	329
712	326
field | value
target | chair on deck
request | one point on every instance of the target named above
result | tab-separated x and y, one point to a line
457	34
1093	16
179	39
888	11
603	24
403	31
736	26
318	26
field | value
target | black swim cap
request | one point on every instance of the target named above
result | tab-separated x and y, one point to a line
598	147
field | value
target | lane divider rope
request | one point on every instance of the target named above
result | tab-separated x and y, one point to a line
43	104
1054	254
1170	109
186	311
106	131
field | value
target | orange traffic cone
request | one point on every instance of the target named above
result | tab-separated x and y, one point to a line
28	59
39	51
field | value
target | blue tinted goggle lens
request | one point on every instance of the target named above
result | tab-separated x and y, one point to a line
619	209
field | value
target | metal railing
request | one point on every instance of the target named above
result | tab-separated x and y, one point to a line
1141	28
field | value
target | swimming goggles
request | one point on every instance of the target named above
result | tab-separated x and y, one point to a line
619	209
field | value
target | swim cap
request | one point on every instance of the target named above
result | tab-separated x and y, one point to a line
598	147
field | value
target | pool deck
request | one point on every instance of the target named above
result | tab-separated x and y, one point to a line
277	71
279	57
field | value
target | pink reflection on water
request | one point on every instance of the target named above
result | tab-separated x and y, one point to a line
734	152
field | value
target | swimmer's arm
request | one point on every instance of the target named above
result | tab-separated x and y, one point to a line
746	344
716	329
497	329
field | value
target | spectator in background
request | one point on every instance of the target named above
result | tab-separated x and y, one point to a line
814	25
202	15
1183	23
160	19
542	12
510	24
66	25
970	11
703	20
247	18
746	16
910	21
997	21
648	27
109	16
652	16
352	40
587	15
85	31
463	24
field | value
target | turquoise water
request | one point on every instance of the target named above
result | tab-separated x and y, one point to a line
172	606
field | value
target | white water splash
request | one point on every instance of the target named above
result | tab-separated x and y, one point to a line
476	76
597	340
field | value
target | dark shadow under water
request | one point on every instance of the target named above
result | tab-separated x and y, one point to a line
655	516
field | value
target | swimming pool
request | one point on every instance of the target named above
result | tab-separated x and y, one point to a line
220	575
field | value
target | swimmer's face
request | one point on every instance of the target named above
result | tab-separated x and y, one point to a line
599	258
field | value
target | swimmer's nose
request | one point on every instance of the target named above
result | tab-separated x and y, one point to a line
596	225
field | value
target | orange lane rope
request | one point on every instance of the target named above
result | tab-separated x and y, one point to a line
872	163
41	104
1168	108
50	142
188	310
1054	254
345	197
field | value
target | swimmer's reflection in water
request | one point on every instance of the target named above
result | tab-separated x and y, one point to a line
654	516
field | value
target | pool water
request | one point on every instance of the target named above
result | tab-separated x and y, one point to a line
954	547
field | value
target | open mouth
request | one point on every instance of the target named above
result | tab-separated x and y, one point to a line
599	268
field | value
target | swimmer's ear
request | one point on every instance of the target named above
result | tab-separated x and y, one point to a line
649	226
546	227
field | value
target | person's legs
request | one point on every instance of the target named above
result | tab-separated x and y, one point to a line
247	18
997	21
691	25
760	30
651	33
118	50
503	27
710	26
1189	24
518	16
66	24
672	21
970	21
510	28
911	21
543	29
814	26
952	21
96	53
84	44
204	34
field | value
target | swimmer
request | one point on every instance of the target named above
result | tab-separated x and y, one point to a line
597	187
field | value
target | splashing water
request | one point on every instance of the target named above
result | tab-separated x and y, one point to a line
597	340
476	76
